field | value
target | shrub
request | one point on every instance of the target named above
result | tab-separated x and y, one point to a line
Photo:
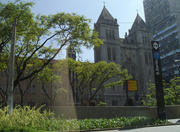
26	119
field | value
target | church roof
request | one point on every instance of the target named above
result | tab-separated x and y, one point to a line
139	23
105	15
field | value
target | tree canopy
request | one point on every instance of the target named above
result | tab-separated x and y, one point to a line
92	78
171	93
39	38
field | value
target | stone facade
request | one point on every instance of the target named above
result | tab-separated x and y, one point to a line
132	52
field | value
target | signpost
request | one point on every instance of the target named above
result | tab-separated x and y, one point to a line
158	80
130	85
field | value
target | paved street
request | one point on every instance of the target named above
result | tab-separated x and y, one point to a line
174	128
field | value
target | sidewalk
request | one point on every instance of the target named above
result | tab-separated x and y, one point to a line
177	121
173	128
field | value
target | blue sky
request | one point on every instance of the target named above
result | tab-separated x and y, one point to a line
124	10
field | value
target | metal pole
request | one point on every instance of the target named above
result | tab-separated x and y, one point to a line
177	67
158	80
126	88
11	70
127	96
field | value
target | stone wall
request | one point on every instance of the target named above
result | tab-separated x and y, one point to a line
82	112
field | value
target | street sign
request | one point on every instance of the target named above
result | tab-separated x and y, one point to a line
156	55
132	85
155	45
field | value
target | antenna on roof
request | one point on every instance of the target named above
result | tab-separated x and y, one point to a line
137	11
104	3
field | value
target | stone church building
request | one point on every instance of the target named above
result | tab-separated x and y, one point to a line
133	52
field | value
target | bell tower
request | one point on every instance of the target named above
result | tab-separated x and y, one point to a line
108	30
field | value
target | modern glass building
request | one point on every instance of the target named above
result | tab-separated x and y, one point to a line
163	19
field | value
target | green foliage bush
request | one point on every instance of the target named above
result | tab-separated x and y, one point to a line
101	103
122	122
171	93
28	119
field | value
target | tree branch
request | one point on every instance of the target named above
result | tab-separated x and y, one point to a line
45	64
46	93
28	58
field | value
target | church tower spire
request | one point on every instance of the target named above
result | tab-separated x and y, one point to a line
105	15
139	23
104	3
105	23
108	30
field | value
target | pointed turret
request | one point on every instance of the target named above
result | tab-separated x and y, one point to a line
108	30
139	24
139	33
105	15
106	18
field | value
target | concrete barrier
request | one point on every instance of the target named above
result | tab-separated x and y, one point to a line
82	112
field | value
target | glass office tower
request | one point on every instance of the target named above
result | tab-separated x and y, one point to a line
163	19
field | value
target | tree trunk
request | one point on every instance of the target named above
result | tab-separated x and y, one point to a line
3	95
22	99
21	95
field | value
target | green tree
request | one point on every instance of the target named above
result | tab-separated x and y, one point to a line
92	78
40	38
51	83
171	93
8	12
150	96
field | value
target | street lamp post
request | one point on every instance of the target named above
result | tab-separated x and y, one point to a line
158	81
11	70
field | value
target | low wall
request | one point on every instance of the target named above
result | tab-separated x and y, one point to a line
82	112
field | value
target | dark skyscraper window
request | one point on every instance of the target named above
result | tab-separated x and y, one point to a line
163	18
